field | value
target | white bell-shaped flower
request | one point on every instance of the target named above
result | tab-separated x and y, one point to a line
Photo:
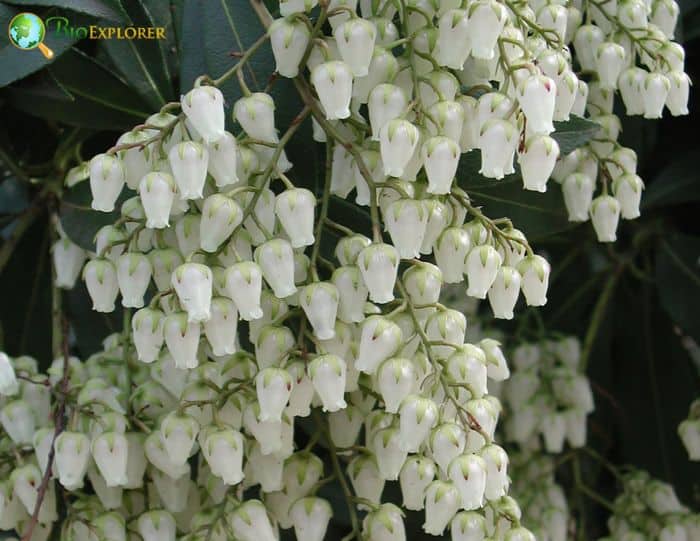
310	516
486	21
136	160
485	414
417	417
17	419
372	161
333	83
605	215
71	458
423	282
467	367
689	432
221	215
534	270
355	39
553	427
578	194
147	333
188	162
654	93
386	102
537	97
503	293
497	480
398	139
385	523
365	479
469	138
348	248
586	41
221	328
319	301
406	220
379	265
628	191
553	18
157	191
498	140
468	526
380	338
446	326
295	210
100	278
383	68
537	162
107	178
442	500
182	339
451	249
110	451
163	262
223	157
24	482
157	455
204	108
156	525
568	88
440	159
273	387
276	260
468	473
609	63
630	84
136	462
273	345
289	39
289	7
447	441
133	275
345	426
9	385
439	217
68	261
453	43
178	432
415	476
352	293
481	268
192	283
223	451
243	284
678	92
342	174
390	454
256	115
395	381
327	373
302	391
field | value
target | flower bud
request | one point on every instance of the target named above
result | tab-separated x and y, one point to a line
398	139
147	333
133	276
276	260
365	478
605	215
537	162
188	161
486	21
609	62
182	339
333	84
453	39
107	177
156	525
289	39
380	339
220	329
295	210
192	283
71	458
68	261
578	195
355	38
327	373
497	140
654	91
537	96
481	267
244	285
386	102
379	264
204	108
101	280
441	503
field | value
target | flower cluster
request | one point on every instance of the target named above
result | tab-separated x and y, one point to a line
689	431
649	509
548	395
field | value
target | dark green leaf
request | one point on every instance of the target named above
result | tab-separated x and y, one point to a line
163	13
81	92
677	183
141	62
107	9
574	133
678	279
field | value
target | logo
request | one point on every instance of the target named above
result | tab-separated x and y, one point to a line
27	32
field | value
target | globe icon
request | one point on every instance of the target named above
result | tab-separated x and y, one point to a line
27	31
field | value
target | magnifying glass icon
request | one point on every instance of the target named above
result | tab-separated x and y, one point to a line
27	32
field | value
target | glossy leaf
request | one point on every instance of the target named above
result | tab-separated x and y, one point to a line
107	9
